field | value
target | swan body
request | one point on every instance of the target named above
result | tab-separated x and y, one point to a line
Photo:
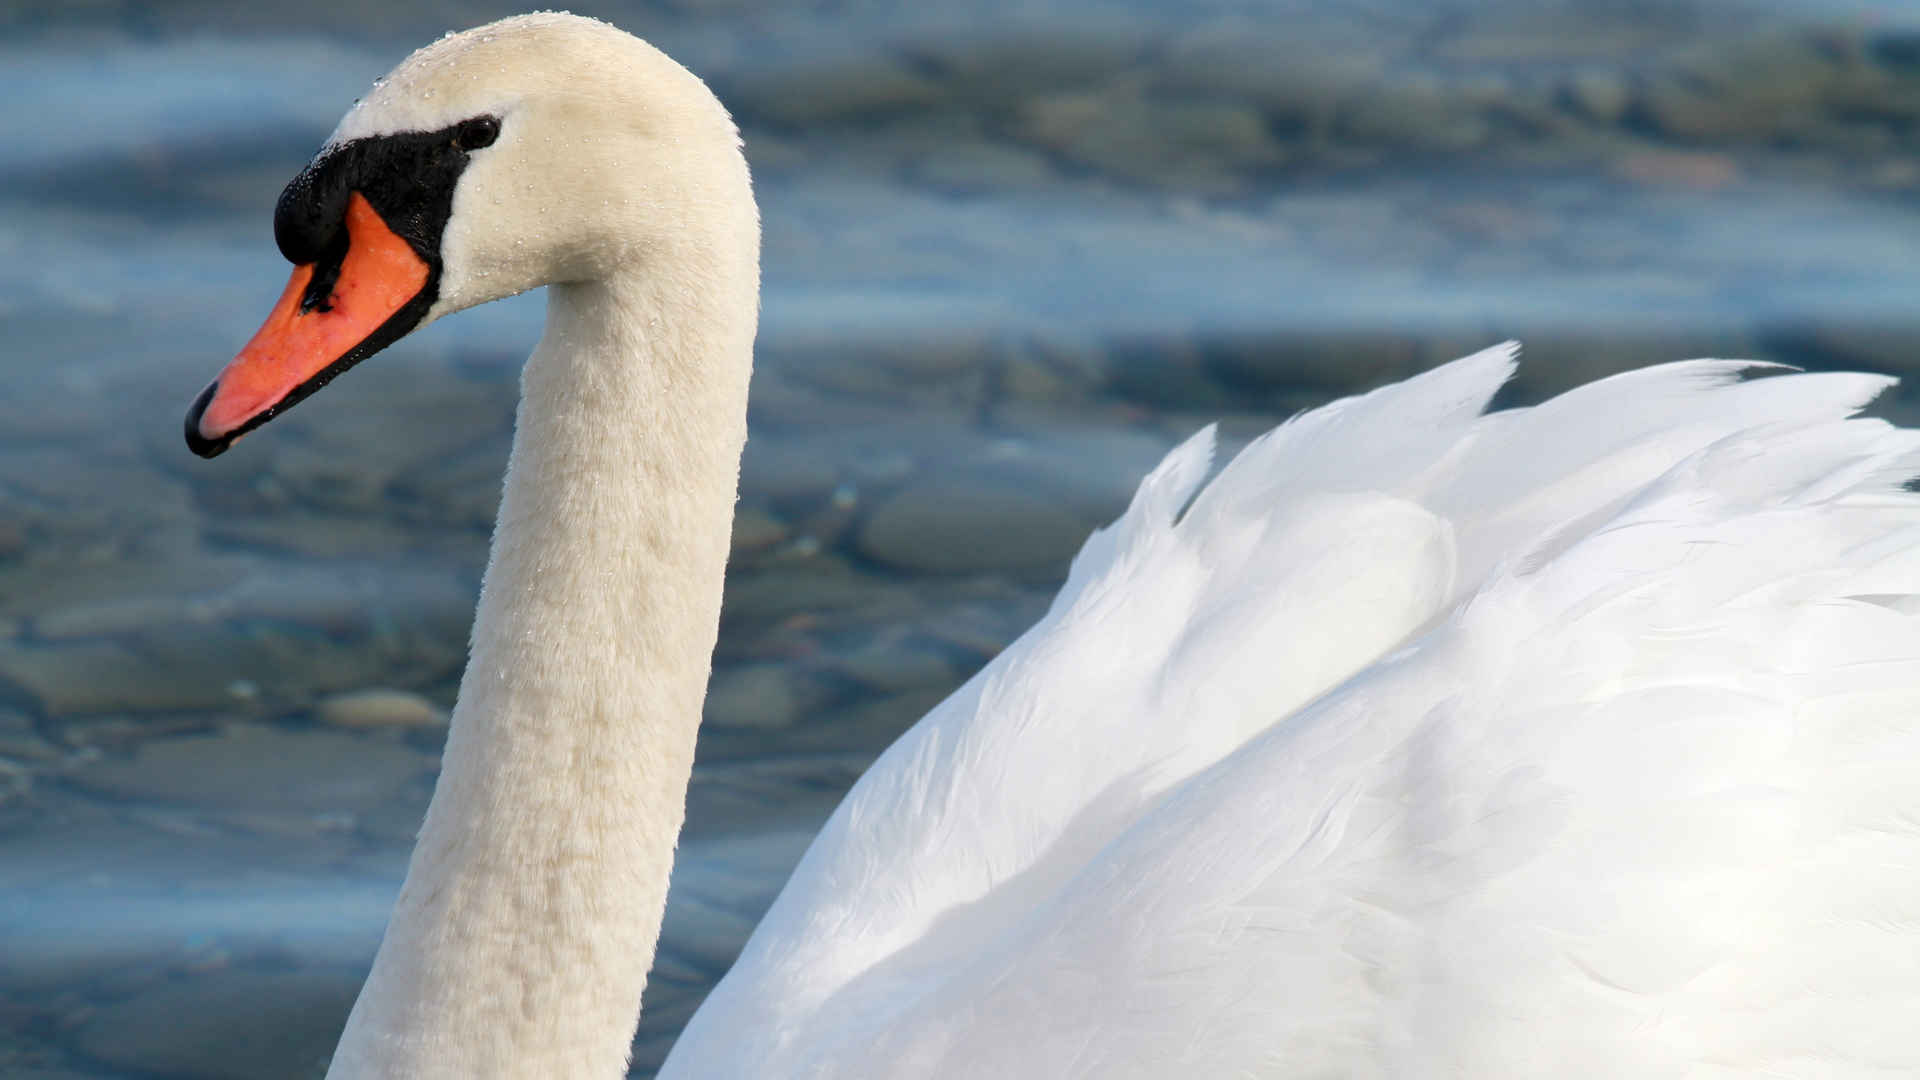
1575	740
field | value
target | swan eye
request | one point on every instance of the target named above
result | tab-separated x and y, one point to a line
476	133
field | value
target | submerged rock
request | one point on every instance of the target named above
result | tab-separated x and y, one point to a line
227	1025
253	768
755	696
958	527
378	708
755	530
98	677
896	667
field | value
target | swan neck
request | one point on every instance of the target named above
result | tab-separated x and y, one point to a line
527	923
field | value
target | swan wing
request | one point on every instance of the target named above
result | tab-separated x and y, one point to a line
1564	740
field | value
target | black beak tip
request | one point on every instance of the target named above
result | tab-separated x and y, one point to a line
197	442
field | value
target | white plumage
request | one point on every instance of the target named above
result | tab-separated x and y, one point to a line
1580	740
1576	740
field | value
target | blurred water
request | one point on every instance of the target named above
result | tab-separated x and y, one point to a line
1013	252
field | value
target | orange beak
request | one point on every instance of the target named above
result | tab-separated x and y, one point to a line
306	341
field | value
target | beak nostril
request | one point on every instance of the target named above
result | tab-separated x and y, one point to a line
326	275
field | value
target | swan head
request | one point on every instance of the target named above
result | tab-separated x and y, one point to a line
540	149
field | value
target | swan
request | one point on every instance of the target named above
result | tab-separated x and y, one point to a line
1577	740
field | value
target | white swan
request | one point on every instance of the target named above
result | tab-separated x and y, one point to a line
1579	740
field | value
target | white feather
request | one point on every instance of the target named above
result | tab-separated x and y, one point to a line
1566	741
1570	741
